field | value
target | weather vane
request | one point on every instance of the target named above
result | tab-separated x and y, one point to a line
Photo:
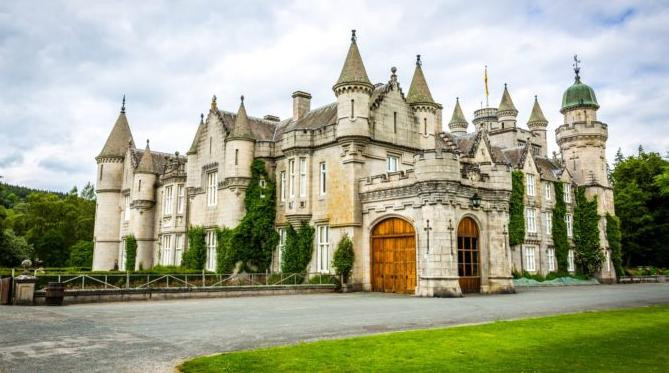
577	68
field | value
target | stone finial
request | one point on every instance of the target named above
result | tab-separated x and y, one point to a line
214	107
123	105
242	98
418	61
393	74
201	118
353	37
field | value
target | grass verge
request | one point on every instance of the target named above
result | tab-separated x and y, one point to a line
622	340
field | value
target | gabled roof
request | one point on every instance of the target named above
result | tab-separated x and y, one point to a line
419	92
353	70
261	129
241	128
548	169
506	104
537	115
119	140
146	163
516	155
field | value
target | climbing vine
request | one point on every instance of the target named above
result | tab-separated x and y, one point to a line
589	256
613	236
130	252
517	209
196	255
226	255
559	232
299	247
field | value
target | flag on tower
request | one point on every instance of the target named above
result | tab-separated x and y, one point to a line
485	81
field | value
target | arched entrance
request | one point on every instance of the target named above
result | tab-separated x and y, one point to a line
394	257
468	256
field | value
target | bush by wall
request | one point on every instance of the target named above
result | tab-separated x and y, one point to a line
196	255
130	252
517	209
344	257
559	232
226	254
298	250
613	236
589	256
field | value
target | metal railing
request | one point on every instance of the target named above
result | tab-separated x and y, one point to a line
129	280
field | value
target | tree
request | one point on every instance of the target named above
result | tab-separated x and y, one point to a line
299	248
14	249
589	256
88	192
81	254
517	209
343	258
130	252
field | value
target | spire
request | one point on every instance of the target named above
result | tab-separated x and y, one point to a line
419	92
506	104
146	163
537	115
120	138
241	128
458	123
353	70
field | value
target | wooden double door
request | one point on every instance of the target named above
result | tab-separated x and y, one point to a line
469	257
394	257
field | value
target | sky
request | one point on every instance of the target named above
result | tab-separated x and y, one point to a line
64	66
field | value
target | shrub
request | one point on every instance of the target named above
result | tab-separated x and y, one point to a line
517	209
343	258
298	250
130	252
196	255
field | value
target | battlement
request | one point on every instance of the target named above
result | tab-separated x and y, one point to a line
593	130
387	180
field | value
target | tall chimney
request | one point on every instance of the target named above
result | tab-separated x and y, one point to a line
301	104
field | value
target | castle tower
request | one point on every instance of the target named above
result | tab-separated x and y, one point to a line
426	111
506	112
353	90
108	194
537	125
458	124
239	153
582	138
143	208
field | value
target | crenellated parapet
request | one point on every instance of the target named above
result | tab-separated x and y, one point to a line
593	132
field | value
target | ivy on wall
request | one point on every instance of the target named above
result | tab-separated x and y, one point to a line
226	255
298	250
589	256
517	209
559	232
196	255
130	252
613	236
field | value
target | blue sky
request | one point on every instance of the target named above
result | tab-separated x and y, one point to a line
64	66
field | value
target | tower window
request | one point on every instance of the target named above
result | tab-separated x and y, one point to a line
210	140
139	186
101	168
425	126
236	157
352	109
395	122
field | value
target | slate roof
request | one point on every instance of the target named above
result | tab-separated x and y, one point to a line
419	92
119	139
548	169
158	159
261	129
507	103
353	70
515	156
146	162
241	128
458	117
317	118
537	115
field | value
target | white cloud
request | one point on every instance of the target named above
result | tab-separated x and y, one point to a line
65	65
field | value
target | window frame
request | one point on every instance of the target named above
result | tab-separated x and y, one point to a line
167	201
323	169
303	177
567	193
282	187
530	188
291	180
530	220
571	261
210	242
548	221
530	250
323	246
547	191
180	198
391	160
178	248
569	222
550	255
212	188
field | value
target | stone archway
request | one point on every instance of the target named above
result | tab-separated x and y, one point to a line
469	256
393	245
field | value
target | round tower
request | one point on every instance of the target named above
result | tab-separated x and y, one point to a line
537	125
458	124
353	90
143	203
507	112
425	109
108	194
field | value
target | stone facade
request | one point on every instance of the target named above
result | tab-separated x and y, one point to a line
371	155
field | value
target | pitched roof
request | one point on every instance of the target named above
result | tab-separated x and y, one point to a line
353	70
458	117
146	163
119	139
261	129
506	104
419	92
548	169
316	118
537	115
241	128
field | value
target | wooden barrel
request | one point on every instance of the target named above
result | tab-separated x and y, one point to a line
54	294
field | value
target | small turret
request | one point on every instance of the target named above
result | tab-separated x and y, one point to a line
239	146
143	202
537	125
353	90
458	124
425	109
507	112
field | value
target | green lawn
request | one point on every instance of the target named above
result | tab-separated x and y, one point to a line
626	340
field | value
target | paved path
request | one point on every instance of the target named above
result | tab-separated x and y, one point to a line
155	336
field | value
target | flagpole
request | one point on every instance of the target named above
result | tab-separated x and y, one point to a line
485	80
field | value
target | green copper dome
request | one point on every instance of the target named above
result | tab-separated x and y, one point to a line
578	95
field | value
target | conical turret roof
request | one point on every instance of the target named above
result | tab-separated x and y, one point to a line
146	163
120	138
537	115
419	92
241	128
458	117
353	70
506	104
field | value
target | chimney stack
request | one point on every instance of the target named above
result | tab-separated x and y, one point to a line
301	104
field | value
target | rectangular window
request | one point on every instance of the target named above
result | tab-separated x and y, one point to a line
391	164
529	259
569	220
548	222
530	185
167	202
126	207
567	193
323	177
281	246
571	267
530	220
303	177
547	191
210	241
180	199
179	250
395	122
212	188
551	260
282	187
323	248
122	256
167	258
291	184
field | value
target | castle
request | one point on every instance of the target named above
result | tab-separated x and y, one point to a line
427	210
